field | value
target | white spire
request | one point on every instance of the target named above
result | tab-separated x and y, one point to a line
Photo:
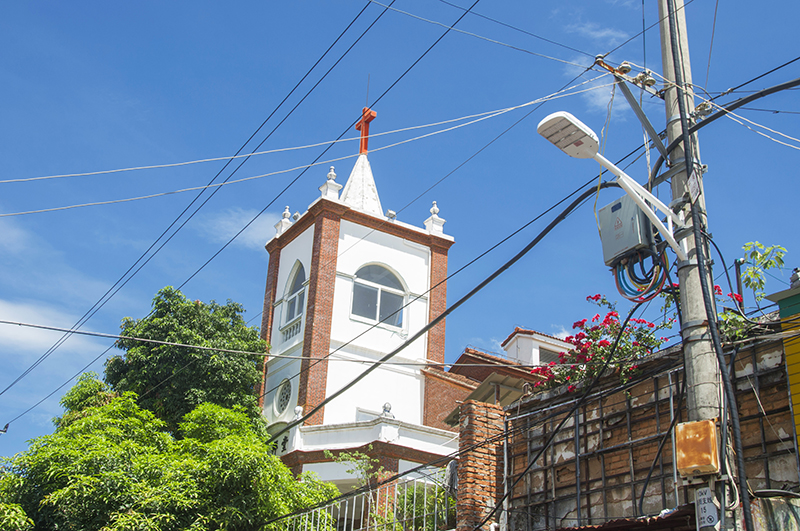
360	191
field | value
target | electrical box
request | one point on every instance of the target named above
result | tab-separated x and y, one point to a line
623	228
696	448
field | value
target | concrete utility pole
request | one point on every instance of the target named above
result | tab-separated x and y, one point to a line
702	368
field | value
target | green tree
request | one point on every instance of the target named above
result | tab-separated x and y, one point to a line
114	466
170	381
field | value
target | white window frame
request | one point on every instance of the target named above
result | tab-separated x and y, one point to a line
293	325
380	288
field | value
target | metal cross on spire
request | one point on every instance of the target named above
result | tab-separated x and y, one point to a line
367	115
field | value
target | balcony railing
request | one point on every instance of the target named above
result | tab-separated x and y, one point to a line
419	504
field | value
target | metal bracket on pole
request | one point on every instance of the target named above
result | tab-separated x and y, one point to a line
651	132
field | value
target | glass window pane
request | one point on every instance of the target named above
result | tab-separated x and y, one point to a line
300	300
365	301
299	278
379	275
391	304
290	309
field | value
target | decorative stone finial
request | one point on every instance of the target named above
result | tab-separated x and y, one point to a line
298	412
434	224
387	411
330	190
284	223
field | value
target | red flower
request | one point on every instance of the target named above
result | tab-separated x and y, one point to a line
594	297
717	290
579	324
735	296
596	318
570	388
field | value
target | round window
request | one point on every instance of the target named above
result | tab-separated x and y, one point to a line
283	396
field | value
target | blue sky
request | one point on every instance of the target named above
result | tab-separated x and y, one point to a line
93	86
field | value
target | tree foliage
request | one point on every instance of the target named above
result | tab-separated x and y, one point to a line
170	381
116	467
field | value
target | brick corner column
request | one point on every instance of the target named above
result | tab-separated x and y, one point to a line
480	469
437	302
312	388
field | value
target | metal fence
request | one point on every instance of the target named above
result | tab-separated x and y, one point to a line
409	504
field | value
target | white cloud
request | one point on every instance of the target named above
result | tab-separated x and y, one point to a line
13	239
607	36
559	331
31	342
222	226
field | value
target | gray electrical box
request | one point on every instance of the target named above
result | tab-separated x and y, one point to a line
623	228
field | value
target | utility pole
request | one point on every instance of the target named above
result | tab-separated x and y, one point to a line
702	368
701	341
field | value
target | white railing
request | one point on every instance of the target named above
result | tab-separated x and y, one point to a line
419	504
291	331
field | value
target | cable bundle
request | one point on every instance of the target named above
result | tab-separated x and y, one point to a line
634	282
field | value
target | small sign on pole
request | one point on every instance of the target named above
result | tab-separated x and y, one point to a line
694	186
705	508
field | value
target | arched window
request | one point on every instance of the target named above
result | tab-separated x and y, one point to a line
378	295
295	300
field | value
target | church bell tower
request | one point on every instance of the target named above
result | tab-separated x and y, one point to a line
346	284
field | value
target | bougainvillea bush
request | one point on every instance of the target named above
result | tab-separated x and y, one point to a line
592	347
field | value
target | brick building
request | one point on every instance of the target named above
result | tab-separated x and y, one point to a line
603	464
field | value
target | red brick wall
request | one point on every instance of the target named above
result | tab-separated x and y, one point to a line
319	313
441	398
480	465
437	302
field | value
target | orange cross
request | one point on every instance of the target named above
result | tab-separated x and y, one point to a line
367	115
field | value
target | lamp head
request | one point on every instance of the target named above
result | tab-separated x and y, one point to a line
569	134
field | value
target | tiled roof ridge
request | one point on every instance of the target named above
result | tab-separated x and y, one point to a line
529	332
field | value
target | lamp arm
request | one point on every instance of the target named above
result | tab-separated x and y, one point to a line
639	194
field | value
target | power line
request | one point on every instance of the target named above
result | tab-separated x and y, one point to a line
122	281
448	311
520	30
493	41
496	138
737	87
228	182
268	205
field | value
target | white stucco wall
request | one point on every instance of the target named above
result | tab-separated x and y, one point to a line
279	369
401	386
298	249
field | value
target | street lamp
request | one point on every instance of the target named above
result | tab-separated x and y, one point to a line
577	140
